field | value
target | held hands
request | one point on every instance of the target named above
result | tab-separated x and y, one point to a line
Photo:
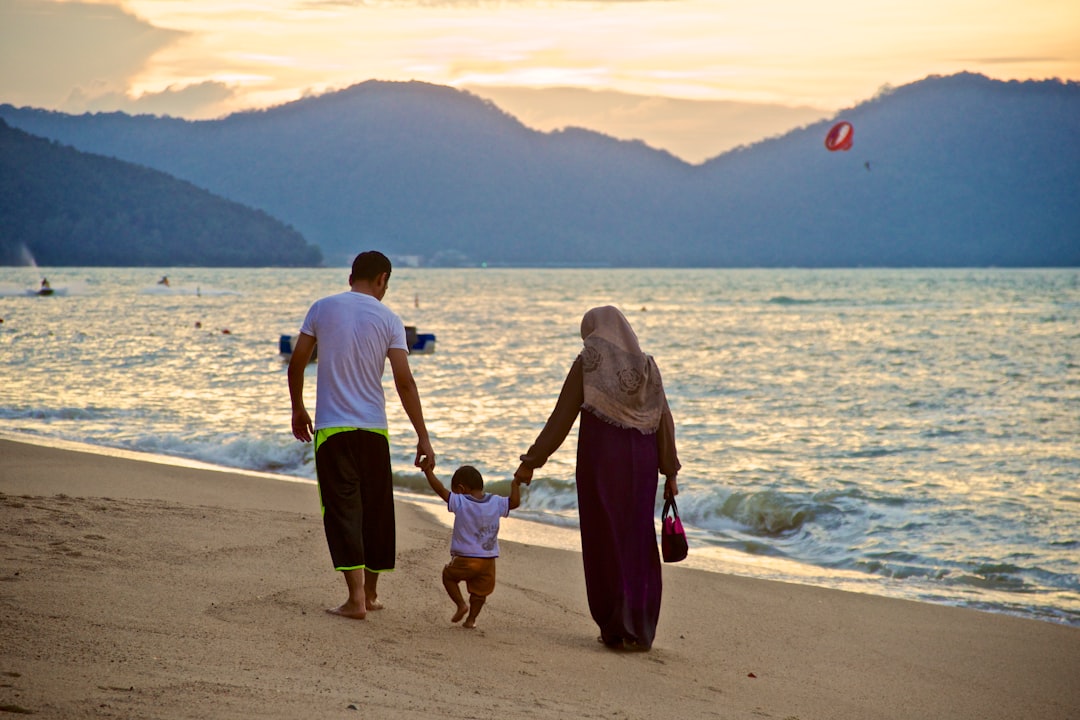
427	464
523	474
424	454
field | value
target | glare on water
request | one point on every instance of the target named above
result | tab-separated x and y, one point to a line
913	428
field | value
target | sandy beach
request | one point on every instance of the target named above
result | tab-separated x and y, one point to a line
131	588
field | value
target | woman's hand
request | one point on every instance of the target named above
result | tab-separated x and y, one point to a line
671	487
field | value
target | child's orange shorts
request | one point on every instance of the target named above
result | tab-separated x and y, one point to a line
478	574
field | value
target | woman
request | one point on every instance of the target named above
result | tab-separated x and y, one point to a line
626	436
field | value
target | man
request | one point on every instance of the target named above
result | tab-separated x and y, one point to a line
356	333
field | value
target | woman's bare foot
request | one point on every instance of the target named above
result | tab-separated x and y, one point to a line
462	611
349	610
469	624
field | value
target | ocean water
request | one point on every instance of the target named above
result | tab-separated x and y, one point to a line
909	433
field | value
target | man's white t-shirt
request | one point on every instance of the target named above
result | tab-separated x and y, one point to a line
353	332
476	524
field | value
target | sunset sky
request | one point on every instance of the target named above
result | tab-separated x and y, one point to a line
761	66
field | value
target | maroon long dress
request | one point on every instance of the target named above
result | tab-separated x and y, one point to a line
616	488
617	482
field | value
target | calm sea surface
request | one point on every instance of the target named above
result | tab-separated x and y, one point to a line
911	433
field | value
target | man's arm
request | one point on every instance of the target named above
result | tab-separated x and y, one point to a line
302	428
410	400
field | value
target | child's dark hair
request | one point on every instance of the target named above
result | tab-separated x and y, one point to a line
468	476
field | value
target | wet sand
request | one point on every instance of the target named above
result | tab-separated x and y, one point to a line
131	588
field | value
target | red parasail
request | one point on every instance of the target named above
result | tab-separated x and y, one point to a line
840	137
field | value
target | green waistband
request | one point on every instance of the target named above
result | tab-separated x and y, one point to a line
323	434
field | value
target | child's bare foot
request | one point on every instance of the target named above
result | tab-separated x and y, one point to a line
462	611
374	604
349	610
476	602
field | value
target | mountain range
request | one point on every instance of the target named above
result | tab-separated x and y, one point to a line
60	206
948	171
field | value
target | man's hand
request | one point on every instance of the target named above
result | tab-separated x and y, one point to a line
424	455
302	428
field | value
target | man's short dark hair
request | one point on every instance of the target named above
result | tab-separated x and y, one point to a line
468	476
369	265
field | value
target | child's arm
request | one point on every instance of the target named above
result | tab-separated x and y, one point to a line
433	481
515	493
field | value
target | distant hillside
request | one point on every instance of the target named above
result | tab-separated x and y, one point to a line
71	208
949	171
694	130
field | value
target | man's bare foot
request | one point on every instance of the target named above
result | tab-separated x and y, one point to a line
374	604
462	611
349	610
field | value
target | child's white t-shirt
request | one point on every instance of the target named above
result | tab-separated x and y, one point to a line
476	524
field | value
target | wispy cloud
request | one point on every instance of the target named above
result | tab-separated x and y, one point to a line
1014	60
48	48
167	55
188	101
479	4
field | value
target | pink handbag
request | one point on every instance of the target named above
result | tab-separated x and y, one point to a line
672	537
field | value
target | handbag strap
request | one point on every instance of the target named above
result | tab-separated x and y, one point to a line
670	506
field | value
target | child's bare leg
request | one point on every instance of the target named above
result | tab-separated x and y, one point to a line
354	607
476	603
454	592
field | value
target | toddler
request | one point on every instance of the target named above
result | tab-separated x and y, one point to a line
474	544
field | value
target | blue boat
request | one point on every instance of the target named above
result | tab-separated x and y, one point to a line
419	343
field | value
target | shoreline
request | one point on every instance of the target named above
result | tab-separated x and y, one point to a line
703	556
708	558
137	589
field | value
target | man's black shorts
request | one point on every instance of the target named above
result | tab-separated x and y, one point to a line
356	487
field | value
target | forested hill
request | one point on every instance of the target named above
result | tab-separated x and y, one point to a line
66	207
947	171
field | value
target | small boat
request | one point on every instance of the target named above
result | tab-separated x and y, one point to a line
285	348
419	343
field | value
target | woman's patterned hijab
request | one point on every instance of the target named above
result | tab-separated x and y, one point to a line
622	384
